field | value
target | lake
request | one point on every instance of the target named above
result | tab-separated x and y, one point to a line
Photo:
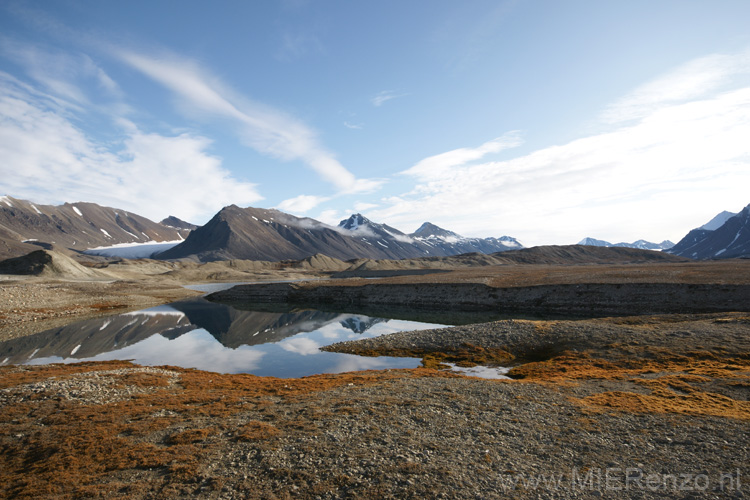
195	333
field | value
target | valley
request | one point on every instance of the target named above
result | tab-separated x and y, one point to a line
623	360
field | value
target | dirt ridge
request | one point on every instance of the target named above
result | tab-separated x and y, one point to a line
623	298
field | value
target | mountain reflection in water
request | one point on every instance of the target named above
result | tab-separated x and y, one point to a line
199	334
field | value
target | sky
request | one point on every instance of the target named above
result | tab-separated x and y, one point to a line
544	120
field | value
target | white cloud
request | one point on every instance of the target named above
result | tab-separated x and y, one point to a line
61	73
655	178
48	159
441	164
361	207
385	96
692	80
267	130
301	204
300	345
353	126
332	217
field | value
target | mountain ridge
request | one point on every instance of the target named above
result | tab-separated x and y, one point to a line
25	225
730	240
640	244
269	234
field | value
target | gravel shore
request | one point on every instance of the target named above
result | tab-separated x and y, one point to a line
640	407
29	306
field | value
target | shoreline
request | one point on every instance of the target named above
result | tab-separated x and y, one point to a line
587	299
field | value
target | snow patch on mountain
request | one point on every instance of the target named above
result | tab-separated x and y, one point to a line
730	240
133	250
640	244
717	221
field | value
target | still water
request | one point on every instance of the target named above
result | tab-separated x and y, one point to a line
196	333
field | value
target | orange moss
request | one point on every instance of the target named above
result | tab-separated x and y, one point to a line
52	447
190	436
676	382
466	355
255	430
664	400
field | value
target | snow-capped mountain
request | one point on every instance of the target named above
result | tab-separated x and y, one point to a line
428	240
25	225
640	244
729	240
360	324
429	230
717	221
272	235
454	244
593	242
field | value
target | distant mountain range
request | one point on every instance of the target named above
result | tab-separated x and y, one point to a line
233	233
640	244
261	234
272	235
24	226
726	236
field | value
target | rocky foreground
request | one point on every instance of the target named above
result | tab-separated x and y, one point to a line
639	407
635	406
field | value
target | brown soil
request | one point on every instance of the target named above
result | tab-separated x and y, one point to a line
724	272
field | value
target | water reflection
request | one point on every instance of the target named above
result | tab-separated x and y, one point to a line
199	334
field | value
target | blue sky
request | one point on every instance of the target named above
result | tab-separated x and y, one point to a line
544	120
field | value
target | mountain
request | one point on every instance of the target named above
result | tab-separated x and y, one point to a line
592	242
260	234
176	223
647	245
717	221
640	244
428	240
24	226
50	264
446	242
382	237
730	240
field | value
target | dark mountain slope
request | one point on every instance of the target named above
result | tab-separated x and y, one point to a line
582	254
76	226
259	234
730	240
176	223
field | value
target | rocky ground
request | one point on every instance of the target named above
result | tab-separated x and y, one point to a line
633	406
33	305
645	407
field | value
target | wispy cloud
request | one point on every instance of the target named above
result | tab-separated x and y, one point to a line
60	73
301	204
297	45
690	81
690	154
353	126
442	164
265	129
385	96
361	207
144	173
